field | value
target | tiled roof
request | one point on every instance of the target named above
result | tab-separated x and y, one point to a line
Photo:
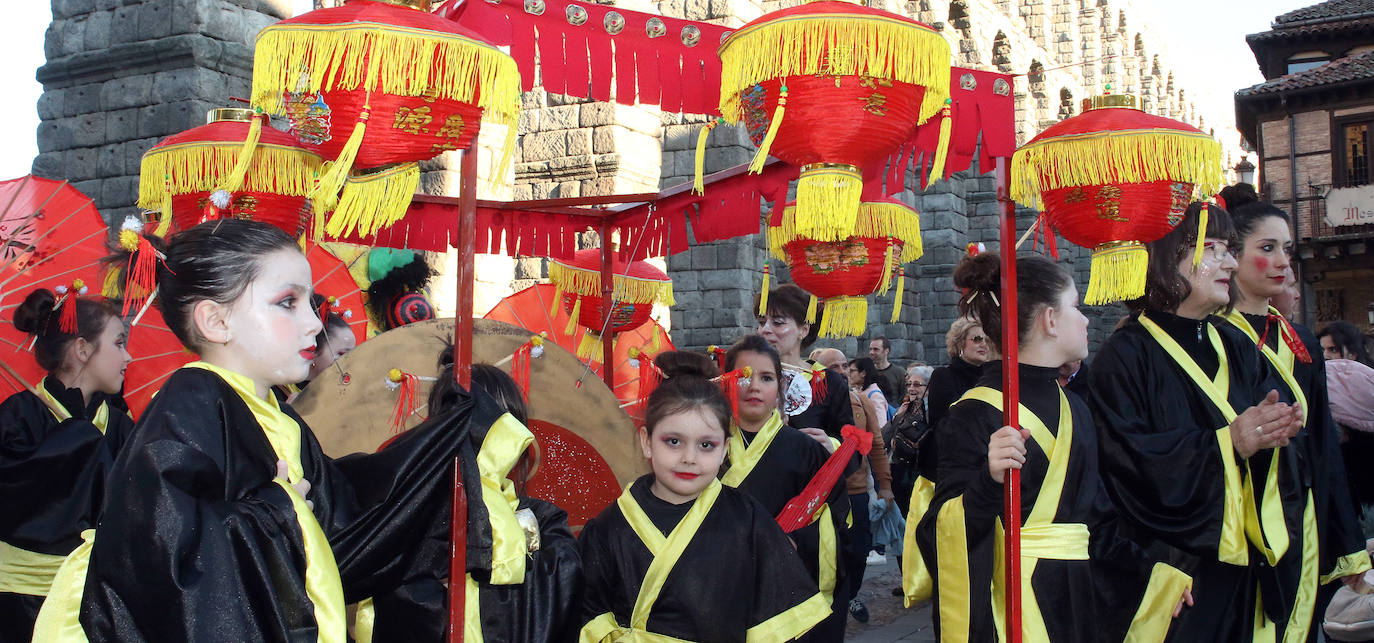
1343	24
1357	67
1327	10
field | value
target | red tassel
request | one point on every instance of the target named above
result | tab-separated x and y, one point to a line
730	385
818	387
66	321
800	511
520	369
718	354
1289	336
405	398
141	276
326	307
649	378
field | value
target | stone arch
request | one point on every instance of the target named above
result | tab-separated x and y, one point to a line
1066	105
1121	21
960	16
1001	53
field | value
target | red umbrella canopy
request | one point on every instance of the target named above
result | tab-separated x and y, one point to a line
530	308
332	280
50	235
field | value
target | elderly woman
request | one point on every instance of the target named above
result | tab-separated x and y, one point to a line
968	349
905	433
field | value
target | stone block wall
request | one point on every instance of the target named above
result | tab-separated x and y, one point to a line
123	74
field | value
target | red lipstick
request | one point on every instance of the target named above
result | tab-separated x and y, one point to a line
308	354
683	475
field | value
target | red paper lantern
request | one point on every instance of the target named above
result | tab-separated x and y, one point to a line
833	87
842	273
635	290
1113	179
379	86
178	175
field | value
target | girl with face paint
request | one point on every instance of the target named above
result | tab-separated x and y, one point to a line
57	443
1190	422
223	519
1323	536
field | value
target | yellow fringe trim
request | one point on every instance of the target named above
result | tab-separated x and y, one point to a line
763	292
875	220
937	166
164	224
199	167
811	310
333	174
1201	236
589	349
828	201
234	180
572	317
844	317
897	300
766	145
557	299
1118	273
624	289
698	183
803	45
374	201
396	60
1127	156
888	266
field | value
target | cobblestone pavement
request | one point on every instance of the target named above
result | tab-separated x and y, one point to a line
888	620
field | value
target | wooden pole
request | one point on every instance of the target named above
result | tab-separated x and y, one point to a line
462	371
1011	398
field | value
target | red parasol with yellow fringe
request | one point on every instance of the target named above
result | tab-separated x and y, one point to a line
832	87
1113	179
379	86
636	287
207	172
844	272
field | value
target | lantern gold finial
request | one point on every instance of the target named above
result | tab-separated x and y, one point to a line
233	114
1109	100
418	5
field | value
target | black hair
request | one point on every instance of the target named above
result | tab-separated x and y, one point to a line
791	301
868	368
1235	196
214	260
1039	283
39	316
491	379
1248	215
887	345
686	386
753	344
1165	286
1346	337
332	323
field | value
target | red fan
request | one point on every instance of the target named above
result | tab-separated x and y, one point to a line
799	510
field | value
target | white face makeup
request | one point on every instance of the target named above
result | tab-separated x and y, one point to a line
1071	325
338	342
105	368
685	453
271	326
1210	281
783	333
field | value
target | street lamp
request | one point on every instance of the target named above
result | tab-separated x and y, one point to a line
1245	171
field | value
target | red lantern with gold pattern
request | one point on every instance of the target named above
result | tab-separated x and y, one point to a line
179	175
833	87
379	86
842	273
1113	179
635	290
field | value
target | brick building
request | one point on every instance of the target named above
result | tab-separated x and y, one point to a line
1311	123
121	74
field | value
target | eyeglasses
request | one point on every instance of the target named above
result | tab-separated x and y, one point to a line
1214	250
978	339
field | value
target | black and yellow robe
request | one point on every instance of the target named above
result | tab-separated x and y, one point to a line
1165	390
1081	581
773	465
716	568
53	465
199	541
1315	537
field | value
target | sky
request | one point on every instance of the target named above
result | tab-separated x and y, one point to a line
1209	31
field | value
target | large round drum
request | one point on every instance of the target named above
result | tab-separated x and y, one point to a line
586	447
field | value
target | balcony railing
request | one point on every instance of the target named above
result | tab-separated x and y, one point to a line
1311	217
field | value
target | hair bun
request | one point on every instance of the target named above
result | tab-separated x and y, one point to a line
32	316
979	273
1238	195
685	364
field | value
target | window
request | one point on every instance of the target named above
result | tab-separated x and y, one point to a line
1352	163
1306	60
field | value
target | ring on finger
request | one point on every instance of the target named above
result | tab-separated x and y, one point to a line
1260	429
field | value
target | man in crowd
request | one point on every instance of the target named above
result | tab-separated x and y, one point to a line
893	378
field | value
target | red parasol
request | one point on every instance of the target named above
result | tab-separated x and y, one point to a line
529	309
332	279
50	235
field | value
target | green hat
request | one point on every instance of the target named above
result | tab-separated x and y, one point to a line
381	261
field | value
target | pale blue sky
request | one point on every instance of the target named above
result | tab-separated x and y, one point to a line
1211	32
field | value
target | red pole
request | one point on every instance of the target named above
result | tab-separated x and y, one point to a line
458	559
1011	397
462	371
607	290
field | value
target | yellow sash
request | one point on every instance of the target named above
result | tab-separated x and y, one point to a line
917	584
1041	537
322	584
666	552
1234	523
743	459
